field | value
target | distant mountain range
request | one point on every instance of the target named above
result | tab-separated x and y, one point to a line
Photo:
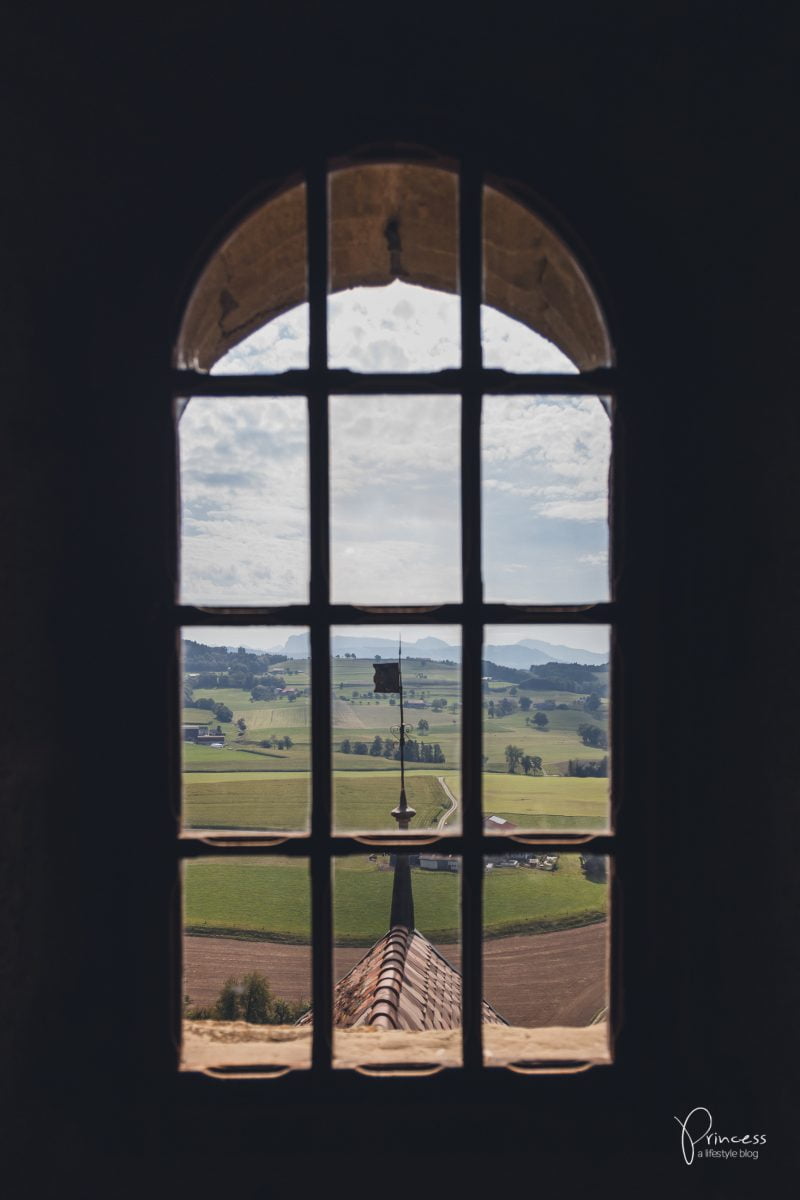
522	654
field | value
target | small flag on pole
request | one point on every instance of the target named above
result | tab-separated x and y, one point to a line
387	677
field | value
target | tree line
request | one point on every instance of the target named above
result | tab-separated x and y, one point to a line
516	757
248	999
426	752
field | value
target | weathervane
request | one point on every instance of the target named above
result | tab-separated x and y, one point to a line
389	678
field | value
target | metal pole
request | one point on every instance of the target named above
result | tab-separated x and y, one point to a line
403	803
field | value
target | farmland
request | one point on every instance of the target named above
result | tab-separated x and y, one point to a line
269	900
279	802
259	780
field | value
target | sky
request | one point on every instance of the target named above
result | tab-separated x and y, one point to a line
583	637
395	504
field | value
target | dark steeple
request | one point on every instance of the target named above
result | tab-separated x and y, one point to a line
402	895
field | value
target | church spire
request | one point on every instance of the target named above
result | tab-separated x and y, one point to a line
387	679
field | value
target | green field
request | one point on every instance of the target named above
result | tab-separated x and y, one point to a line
280	803
269	802
552	802
270	900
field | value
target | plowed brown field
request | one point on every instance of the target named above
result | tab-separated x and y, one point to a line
533	979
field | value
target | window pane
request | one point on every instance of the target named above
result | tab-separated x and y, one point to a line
532	278
395	505
545	956
394	268
244	501
247	962
258	273
280	345
246	729
397	994
546	728
366	728
545	463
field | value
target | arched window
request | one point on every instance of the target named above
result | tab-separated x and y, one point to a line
394	385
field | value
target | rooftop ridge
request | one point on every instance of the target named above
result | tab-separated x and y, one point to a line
389	985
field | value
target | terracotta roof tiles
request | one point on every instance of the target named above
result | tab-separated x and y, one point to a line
402	982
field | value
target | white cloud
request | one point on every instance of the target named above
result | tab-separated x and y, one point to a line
394	467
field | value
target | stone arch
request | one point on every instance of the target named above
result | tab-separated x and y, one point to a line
391	221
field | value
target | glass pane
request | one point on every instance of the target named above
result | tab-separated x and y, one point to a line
244	501
256	277
366	728
247	962
536	283
395	503
545	956
546	728
394	268
246	745
397	993
545	463
281	345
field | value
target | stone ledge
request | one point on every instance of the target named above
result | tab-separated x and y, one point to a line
210	1045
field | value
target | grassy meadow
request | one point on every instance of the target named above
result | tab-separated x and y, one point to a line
269	899
267	788
246	785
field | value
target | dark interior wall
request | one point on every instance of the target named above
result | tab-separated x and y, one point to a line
662	135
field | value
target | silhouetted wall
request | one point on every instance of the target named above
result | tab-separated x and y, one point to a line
662	134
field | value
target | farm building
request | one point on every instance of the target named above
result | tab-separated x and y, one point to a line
199	734
192	732
439	862
493	824
416	703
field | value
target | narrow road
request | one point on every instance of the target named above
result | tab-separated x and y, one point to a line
453	803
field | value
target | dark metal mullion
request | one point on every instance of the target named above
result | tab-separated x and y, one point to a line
301	846
470	253
601	381
450	614
321	907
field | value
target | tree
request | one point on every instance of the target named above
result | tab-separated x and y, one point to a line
422	725
541	721
376	749
525	702
360	748
527	763
537	764
223	713
229	1003
594	867
288	743
256	999
491	708
241	725
513	757
505	707
592	702
593	735
345	746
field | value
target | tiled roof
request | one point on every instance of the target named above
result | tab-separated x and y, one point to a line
402	982
492	824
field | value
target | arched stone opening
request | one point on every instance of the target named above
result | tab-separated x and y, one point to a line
391	221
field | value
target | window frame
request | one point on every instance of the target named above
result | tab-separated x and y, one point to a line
471	381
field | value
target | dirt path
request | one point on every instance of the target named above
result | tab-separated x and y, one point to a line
542	979
453	802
